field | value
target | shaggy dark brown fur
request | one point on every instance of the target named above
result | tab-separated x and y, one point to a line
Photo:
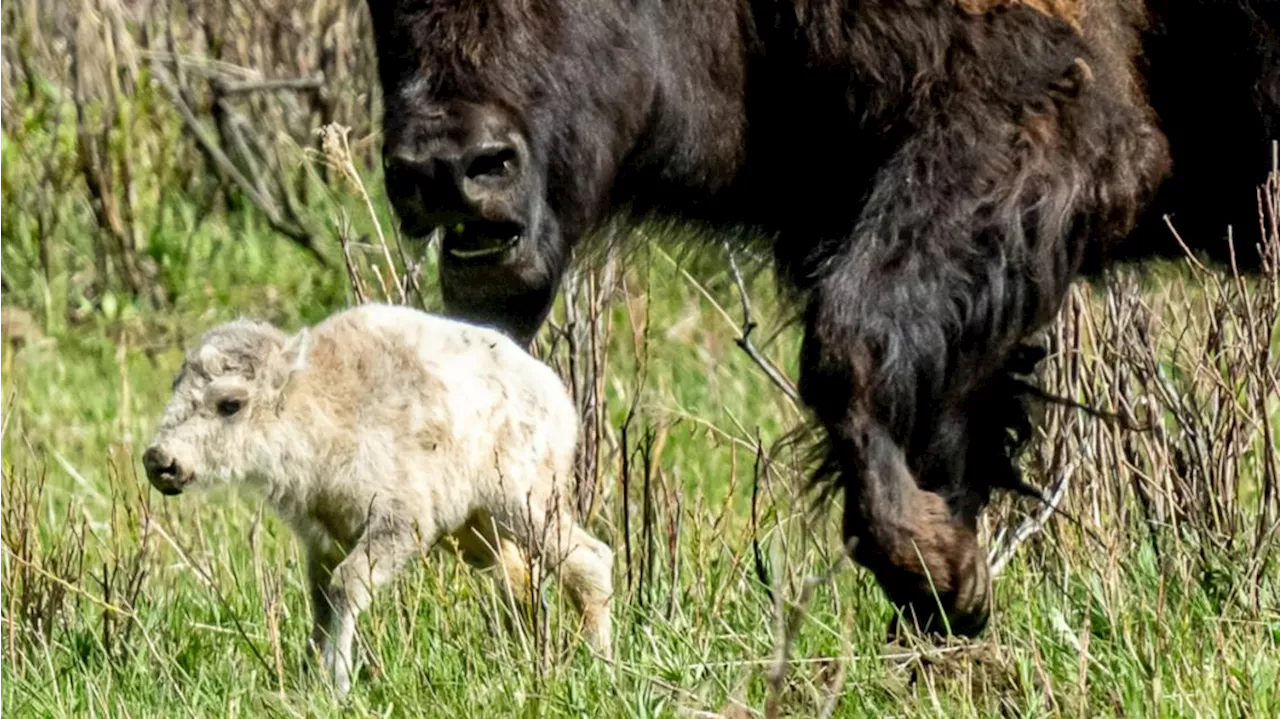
934	173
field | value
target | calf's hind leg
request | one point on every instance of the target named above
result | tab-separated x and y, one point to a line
485	546
583	563
587	574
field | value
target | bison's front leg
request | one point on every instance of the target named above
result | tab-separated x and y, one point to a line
1016	158
908	331
922	550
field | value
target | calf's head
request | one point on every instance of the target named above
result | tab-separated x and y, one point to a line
505	121
222	396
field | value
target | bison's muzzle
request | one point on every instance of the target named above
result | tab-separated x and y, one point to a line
462	168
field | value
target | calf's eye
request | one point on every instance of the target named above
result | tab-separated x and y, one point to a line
228	407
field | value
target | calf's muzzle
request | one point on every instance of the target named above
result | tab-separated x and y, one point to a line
163	471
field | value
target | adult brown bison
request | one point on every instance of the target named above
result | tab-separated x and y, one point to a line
934	174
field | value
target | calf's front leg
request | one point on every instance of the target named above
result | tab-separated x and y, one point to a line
320	565
386	546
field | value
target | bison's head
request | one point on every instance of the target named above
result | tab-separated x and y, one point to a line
221	395
505	121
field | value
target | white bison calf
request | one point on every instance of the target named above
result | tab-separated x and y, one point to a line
380	431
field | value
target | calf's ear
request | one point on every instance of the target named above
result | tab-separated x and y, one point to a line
291	357
211	360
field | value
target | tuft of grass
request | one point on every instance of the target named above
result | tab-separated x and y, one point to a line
118	601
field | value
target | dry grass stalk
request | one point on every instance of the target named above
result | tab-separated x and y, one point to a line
249	80
337	152
1192	361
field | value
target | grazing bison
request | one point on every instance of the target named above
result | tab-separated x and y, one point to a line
377	433
933	175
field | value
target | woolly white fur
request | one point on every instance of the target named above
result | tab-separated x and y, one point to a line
382	428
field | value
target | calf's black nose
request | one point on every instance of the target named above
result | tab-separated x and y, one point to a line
162	471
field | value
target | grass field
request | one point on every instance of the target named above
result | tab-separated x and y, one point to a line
1154	592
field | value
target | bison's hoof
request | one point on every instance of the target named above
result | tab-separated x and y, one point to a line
959	624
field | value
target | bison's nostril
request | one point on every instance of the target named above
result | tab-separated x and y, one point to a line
494	162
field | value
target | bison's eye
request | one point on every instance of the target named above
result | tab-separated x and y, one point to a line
228	407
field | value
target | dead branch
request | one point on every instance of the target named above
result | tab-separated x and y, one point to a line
227	171
749	325
94	157
299	84
762	572
1003	552
787	624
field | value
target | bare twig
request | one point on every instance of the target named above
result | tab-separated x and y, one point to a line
787	625
301	84
357	282
762	572
1001	554
228	170
771	371
337	150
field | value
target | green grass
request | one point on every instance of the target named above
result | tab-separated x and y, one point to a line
120	602
206	612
